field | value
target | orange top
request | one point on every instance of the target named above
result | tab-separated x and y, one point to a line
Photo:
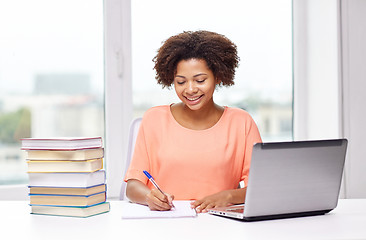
192	164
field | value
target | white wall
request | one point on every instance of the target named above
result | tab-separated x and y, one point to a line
353	23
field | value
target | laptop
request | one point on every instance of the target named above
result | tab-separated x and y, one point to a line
291	179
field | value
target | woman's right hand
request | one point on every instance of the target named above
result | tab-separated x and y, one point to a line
158	201
138	192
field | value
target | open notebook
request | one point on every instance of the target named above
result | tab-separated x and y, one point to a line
134	211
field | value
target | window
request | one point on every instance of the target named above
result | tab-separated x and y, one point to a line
51	75
262	31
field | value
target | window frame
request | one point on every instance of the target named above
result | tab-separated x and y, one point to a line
118	90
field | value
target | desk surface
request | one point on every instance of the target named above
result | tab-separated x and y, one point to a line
347	221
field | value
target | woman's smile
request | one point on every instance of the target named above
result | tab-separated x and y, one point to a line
194	100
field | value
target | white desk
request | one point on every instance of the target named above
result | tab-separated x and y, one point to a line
347	221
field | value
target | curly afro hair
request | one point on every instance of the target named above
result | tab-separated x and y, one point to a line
217	50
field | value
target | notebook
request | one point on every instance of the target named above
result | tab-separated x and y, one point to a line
291	179
134	210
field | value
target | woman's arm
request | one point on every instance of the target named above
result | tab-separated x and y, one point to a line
220	199
138	192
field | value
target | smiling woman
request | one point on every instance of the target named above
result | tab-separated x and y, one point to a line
206	138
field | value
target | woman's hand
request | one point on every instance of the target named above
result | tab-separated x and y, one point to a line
157	201
220	199
138	192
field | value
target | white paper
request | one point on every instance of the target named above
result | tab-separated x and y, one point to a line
133	210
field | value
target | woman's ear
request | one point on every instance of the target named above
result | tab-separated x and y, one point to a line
218	81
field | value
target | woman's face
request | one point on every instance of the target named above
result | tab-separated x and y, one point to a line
194	83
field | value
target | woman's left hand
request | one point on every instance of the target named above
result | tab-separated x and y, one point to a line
220	199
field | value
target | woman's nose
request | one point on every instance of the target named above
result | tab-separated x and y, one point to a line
192	88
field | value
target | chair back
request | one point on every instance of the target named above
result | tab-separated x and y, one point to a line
134	129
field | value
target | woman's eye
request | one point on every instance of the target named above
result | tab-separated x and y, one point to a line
180	83
201	81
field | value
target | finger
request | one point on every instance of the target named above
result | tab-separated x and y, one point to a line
155	203
157	207
163	204
211	205
196	203
203	206
160	195
164	197
170	200
170	197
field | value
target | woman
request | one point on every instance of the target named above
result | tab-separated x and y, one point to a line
196	150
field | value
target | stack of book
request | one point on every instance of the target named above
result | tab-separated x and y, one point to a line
66	176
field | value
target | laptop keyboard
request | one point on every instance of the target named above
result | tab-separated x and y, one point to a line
238	210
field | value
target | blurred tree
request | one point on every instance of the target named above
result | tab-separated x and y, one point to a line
15	125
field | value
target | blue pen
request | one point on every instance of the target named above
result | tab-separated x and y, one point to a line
151	179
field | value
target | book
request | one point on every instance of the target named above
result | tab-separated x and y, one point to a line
67	200
70	180
52	155
68	191
60	143
65	166
134	210
71	211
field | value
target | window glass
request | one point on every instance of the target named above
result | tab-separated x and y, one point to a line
262	31
51	75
